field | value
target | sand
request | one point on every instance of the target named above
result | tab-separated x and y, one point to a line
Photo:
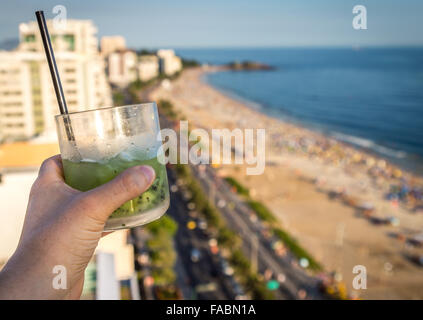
295	184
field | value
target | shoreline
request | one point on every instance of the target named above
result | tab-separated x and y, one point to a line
303	169
409	165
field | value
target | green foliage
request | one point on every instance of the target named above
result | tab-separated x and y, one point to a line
182	170
262	211
296	249
199	197
163	276
125	293
227	238
212	216
240	261
249	65
174	76
139	85
118	98
240	189
164	224
166	108
258	288
187	63
167	292
250	281
136	86
146	52
162	252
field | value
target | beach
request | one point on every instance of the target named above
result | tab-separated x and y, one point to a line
344	206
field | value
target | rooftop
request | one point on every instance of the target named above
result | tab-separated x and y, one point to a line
20	155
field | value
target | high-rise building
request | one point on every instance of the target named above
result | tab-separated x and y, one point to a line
148	67
27	98
169	62
122	67
111	44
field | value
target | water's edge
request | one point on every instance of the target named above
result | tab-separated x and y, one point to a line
406	161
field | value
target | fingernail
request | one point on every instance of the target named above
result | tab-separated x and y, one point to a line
148	173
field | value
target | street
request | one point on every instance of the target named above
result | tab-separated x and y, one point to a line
296	278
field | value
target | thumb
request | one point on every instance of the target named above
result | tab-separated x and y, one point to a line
103	200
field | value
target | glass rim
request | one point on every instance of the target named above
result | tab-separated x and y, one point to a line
104	109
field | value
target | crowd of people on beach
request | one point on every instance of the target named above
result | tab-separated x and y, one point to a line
399	187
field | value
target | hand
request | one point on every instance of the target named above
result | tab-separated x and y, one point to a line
62	227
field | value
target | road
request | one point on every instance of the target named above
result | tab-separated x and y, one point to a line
207	270
238	218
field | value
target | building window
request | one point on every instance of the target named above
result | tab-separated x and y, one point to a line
70	40
12	104
29	38
15	125
39	125
9	71
11	93
14	114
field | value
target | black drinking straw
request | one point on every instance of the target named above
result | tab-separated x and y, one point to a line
54	73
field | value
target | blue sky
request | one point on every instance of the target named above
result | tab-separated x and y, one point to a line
235	23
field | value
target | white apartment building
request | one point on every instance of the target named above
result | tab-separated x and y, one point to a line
27	98
148	67
111	44
169	63
122	67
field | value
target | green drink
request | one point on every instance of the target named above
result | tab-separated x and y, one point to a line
119	138
86	175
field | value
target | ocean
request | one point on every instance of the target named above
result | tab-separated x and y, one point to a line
371	98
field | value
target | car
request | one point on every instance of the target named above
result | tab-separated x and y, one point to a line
226	268
239	293
281	278
202	224
206	287
221	203
195	255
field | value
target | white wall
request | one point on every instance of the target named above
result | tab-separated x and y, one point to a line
14	193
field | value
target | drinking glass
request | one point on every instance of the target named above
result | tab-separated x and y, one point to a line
106	141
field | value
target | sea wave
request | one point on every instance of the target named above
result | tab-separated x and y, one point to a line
369	144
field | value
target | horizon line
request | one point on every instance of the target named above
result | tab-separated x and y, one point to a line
387	46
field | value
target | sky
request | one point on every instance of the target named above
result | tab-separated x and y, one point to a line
234	23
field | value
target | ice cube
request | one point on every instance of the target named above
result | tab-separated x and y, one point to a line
88	160
126	156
